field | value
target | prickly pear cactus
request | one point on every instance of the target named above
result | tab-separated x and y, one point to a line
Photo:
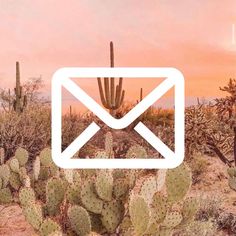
136	151
89	197
15	181
22	173
26	196
2	156
73	190
46	157
55	192
139	214
57	233
14	165
33	214
48	227
232	178
178	182
22	156
69	175
109	145
120	188
36	168
189	210
104	184
232	183
5	174
232	171
160	179
101	155
148	188
5	196
112	215
159	207
171	220
79	220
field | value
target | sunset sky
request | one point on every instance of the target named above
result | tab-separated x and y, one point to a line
193	36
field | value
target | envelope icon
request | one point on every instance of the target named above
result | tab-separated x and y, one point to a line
62	78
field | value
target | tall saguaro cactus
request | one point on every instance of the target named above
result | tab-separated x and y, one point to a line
111	96
20	101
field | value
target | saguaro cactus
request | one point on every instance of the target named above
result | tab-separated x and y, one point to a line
20	101
112	96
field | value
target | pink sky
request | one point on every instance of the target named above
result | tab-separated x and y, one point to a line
193	36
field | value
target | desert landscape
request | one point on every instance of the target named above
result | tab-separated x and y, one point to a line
38	198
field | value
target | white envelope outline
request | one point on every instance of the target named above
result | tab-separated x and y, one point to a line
173	78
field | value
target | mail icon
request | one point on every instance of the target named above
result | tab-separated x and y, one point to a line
62	78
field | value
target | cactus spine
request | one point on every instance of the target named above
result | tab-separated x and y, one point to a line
20	101
112	97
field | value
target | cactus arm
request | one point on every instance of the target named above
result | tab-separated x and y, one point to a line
112	92
118	93
107	92
122	97
104	103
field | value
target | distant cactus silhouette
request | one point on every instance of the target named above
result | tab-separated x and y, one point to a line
111	97
20	101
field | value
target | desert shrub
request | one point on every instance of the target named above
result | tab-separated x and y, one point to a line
227	221
196	228
209	208
72	126
159	116
30	130
155	115
198	165
207	134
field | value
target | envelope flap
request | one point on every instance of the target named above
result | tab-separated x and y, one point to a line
102	114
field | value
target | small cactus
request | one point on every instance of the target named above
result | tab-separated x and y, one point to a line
120	188
36	168
148	188
46	157
48	227
232	183
159	207
5	174
22	156
14	165
101	155
232	178
178	182
2	156
112	215
15	181
55	191
89	198
26	196
139	214
5	196
104	184
172	220
69	175
136	151
33	214
189	210
109	145
79	220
